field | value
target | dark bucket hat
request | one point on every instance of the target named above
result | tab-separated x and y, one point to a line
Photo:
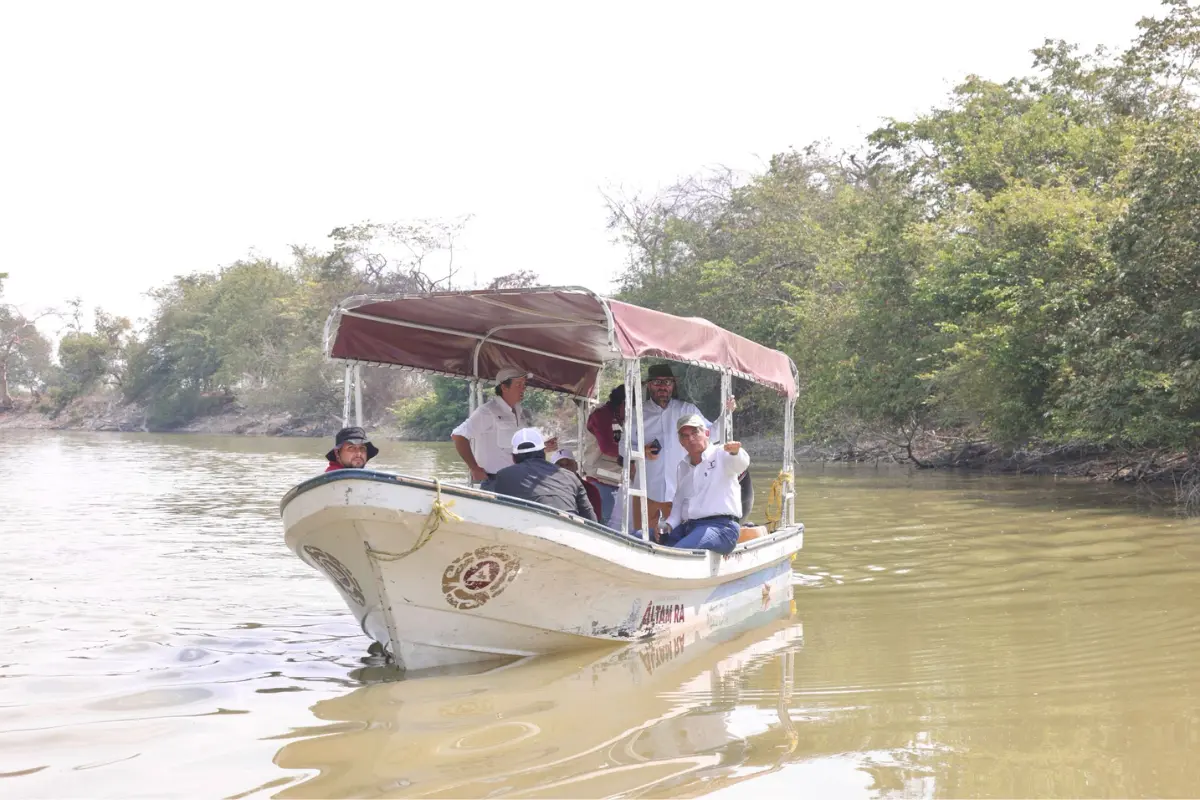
351	436
659	371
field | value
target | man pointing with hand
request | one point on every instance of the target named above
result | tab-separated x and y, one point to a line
708	499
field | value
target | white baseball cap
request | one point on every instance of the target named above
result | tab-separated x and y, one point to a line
509	373
527	440
559	455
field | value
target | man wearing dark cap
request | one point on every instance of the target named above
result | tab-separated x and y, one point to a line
351	450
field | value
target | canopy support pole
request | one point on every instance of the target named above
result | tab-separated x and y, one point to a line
358	417
347	382
789	461
582	409
726	414
633	434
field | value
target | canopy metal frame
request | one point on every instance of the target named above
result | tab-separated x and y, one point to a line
633	469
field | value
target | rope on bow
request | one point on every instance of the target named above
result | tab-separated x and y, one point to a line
437	515
774	512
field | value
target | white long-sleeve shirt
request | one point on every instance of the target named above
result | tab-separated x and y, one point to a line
661	423
710	488
490	430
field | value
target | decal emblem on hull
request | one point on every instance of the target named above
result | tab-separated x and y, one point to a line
337	573
475	578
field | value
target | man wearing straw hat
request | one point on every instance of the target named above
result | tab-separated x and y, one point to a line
483	440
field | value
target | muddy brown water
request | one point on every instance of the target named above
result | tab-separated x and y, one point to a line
952	636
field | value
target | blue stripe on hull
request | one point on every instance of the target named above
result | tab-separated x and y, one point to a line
748	581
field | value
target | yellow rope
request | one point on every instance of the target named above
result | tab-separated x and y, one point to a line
437	515
774	511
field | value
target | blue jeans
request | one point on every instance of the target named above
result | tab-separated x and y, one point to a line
608	498
719	534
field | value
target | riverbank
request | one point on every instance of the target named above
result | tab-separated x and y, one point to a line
1172	476
102	414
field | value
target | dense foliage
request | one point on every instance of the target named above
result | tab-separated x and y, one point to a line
1020	264
25	354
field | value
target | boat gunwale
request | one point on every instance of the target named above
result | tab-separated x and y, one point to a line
391	478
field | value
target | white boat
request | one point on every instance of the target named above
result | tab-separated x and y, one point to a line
441	574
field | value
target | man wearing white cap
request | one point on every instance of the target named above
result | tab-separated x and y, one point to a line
483	439
707	507
532	477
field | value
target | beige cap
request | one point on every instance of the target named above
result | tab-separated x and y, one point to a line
692	421
509	373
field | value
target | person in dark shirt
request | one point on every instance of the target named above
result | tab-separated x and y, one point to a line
565	459
603	467
532	477
351	450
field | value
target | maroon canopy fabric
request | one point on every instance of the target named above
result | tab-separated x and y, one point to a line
561	336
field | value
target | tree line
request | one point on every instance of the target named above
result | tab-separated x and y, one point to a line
1018	265
249	334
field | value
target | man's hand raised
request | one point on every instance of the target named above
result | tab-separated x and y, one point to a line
733	448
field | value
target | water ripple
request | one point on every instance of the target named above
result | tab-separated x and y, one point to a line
953	635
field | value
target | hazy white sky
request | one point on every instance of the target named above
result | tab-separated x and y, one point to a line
142	140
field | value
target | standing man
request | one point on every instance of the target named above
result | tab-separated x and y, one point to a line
660	420
484	439
708	500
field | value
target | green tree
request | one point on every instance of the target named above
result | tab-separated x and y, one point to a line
1133	356
431	417
24	352
173	369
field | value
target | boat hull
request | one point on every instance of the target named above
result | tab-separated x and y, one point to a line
442	575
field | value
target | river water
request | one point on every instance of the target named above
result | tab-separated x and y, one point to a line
951	636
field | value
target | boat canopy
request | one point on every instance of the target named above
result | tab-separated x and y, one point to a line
562	336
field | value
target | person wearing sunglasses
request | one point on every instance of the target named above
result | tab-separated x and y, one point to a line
660	420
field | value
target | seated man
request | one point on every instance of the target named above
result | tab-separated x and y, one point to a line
351	450
565	459
532	477
708	499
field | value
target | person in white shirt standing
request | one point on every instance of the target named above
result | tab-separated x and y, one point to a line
660	420
707	505
484	439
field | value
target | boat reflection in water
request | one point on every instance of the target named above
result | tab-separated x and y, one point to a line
646	716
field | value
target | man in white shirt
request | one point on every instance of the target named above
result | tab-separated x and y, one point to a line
660	420
707	505
484	439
